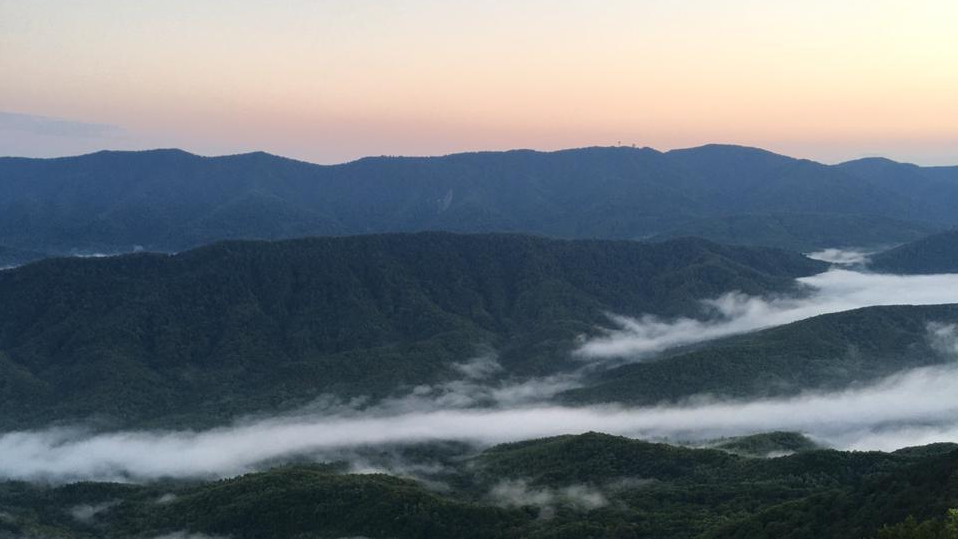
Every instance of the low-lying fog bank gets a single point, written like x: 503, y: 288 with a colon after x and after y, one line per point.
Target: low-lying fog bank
x: 913, y: 408
x: 735, y: 313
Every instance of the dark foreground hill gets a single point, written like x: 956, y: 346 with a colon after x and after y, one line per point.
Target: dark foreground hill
x: 934, y: 254
x: 925, y: 490
x: 169, y: 200
x: 241, y: 327
x: 591, y: 485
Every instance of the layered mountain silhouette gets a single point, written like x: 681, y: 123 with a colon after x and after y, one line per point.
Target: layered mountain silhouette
x: 170, y: 200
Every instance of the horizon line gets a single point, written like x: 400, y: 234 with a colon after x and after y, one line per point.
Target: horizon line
x: 470, y: 152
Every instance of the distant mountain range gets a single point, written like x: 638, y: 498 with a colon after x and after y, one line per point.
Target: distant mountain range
x: 170, y: 200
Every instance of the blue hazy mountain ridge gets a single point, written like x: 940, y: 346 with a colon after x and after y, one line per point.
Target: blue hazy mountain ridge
x: 170, y: 200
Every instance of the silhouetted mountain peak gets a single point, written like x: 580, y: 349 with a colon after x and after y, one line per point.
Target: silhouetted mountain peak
x: 728, y: 151
x: 877, y: 164
x: 157, y: 152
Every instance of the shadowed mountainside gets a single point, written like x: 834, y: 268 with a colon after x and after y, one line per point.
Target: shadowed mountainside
x: 241, y: 327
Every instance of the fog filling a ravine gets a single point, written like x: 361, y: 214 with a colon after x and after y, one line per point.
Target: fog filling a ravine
x: 735, y: 313
x: 911, y: 408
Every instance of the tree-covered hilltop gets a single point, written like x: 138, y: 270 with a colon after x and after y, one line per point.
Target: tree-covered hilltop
x: 945, y: 527
x: 169, y: 200
x: 590, y: 485
x: 828, y: 352
x: 241, y: 327
x: 599, y: 459
x: 925, y: 489
x: 935, y: 254
x: 766, y: 444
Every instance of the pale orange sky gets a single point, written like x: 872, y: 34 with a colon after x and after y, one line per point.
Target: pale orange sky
x: 332, y: 80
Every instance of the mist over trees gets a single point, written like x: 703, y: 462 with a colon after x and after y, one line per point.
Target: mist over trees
x: 244, y: 327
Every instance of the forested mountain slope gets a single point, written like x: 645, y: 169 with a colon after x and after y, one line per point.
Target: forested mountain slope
x: 252, y: 326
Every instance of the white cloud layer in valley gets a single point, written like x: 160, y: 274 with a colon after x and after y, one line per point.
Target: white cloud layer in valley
x: 912, y: 408
x: 735, y: 313
x: 842, y: 257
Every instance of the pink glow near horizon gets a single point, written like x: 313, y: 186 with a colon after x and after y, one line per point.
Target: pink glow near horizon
x: 332, y: 80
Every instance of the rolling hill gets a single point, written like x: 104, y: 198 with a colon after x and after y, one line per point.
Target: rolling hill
x: 926, y: 489
x: 239, y: 327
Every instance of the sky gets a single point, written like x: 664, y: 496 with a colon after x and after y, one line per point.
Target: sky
x: 333, y: 80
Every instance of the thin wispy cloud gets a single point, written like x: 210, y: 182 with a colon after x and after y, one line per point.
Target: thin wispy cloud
x: 31, y: 135
x: 842, y: 257
x: 518, y: 493
x: 46, y: 126
x: 907, y: 409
